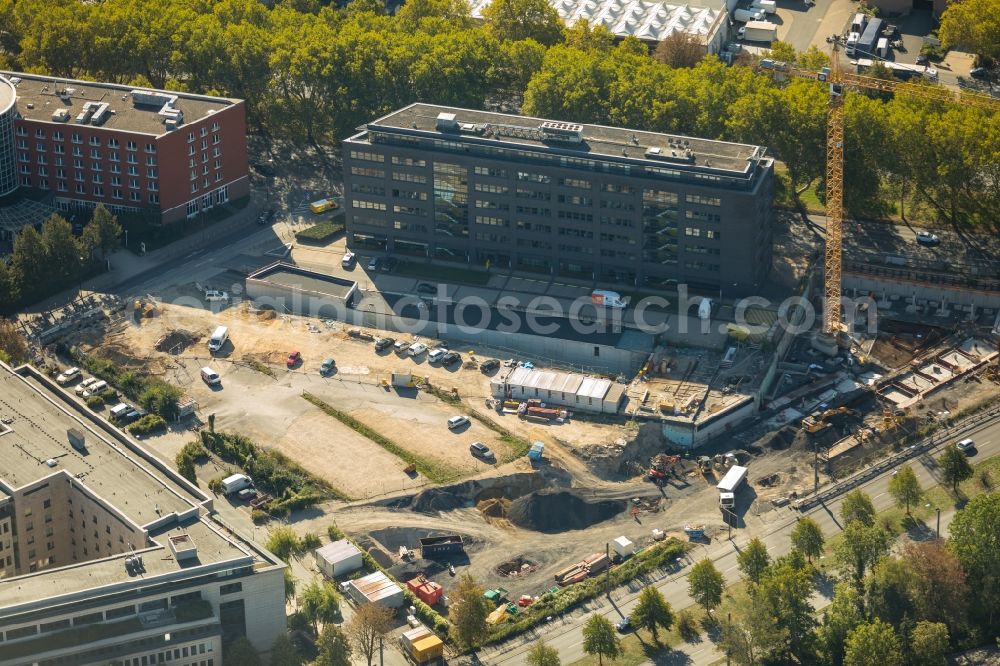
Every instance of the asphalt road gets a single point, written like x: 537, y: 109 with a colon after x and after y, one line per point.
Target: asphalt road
x: 566, y: 636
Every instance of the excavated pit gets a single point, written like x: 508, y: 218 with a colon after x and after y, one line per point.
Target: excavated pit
x: 558, y: 510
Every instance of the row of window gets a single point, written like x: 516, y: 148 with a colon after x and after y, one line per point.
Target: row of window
x: 175, y: 654
x: 97, y: 178
x: 58, y: 135
x: 96, y: 190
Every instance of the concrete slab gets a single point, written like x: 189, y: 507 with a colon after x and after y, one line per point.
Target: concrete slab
x: 976, y: 348
x: 394, y: 284
x: 937, y: 371
x: 957, y: 360
x: 488, y: 295
x: 560, y: 290
x: 896, y: 397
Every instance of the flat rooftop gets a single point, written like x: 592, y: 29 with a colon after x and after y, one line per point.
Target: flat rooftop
x: 39, y: 418
x: 626, y: 145
x: 37, y: 100
x: 303, y: 279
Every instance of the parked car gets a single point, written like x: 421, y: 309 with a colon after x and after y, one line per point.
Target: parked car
x: 85, y: 384
x: 450, y: 358
x: 374, y: 264
x: 490, y: 365
x: 457, y: 422
x: 348, y: 259
x: 481, y: 451
x: 263, y: 169
x: 417, y: 348
x: 426, y: 288
x: 923, y: 60
x: 327, y: 366
x: 294, y: 358
x: 436, y: 354
x: 384, y: 343
x: 979, y: 73
x: 401, y: 346
x: 213, y: 296
x: 246, y: 494
x: 965, y: 446
x: 210, y: 376
x: 95, y: 388
x: 68, y: 376
x: 927, y: 238
x: 624, y: 626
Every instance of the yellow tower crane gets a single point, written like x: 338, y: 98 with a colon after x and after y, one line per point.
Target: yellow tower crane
x: 838, y: 81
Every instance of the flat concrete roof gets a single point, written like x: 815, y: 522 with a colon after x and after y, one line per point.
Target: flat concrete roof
x: 40, y: 92
x: 294, y: 277
x: 7, y: 95
x: 623, y: 144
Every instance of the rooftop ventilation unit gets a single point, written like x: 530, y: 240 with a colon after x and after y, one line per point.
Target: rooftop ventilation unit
x: 446, y: 122
x: 657, y: 153
x: 167, y: 104
x: 183, y: 547
x: 77, y: 439
x: 557, y: 131
x: 60, y: 115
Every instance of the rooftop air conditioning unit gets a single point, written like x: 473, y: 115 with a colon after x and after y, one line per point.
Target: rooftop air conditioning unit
x: 446, y: 122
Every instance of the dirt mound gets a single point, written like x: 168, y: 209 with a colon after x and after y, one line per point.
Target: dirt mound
x: 176, y: 341
x: 469, y: 493
x: 559, y: 510
x: 494, y: 508
x: 778, y: 440
x: 518, y: 566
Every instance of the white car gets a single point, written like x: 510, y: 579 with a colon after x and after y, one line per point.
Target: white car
x: 437, y: 354
x: 927, y: 238
x: 95, y: 388
x: 85, y: 384
x: 417, y: 348
x: 457, y: 422
x: 401, y: 346
x: 348, y: 259
x: 67, y: 376
x: 214, y: 296
x: 965, y: 446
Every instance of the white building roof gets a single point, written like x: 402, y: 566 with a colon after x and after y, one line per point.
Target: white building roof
x: 594, y: 388
x: 336, y: 552
x: 649, y: 21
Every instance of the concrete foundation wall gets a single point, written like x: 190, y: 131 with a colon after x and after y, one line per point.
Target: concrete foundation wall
x: 954, y: 297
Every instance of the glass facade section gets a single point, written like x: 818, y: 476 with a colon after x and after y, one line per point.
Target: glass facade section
x: 451, y: 200
x: 659, y: 227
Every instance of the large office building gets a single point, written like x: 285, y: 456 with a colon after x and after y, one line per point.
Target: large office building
x: 108, y: 556
x: 579, y: 202
x: 131, y: 149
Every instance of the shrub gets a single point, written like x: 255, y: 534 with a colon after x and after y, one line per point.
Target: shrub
x: 282, y: 542
x: 310, y: 541
x: 95, y: 402
x: 109, y: 396
x: 215, y: 485
x: 148, y: 424
x: 335, y: 533
x: 258, y: 516
x: 154, y: 394
x: 687, y: 625
x: 161, y: 398
x: 193, y: 452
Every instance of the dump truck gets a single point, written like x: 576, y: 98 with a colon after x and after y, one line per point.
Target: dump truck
x: 730, y: 484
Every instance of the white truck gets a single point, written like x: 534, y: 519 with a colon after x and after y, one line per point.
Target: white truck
x: 752, y: 14
x: 236, y: 483
x: 730, y: 484
x: 759, y: 31
x: 769, y: 6
x: 608, y: 299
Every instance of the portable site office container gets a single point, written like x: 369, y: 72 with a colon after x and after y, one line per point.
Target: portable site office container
x: 883, y: 47
x: 859, y: 23
x: 869, y: 38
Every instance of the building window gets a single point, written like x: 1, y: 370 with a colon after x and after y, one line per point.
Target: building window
x: 203, y: 131
x: 59, y: 149
x: 134, y: 196
x: 704, y: 201
x: 366, y: 156
x: 154, y: 198
x: 95, y: 141
x: 116, y: 168
x: 98, y: 192
x: 131, y: 145
x: 76, y: 138
x: 39, y: 147
x: 150, y: 147
x: 216, y: 139
x: 216, y: 152
x: 150, y: 173
x: 113, y: 155
x: 150, y: 161
x: 95, y: 166
x: 77, y: 152
x: 113, y: 142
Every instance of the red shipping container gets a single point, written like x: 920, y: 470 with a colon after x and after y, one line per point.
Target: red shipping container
x: 427, y: 591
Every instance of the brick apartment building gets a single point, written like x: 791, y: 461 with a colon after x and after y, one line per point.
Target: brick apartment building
x: 579, y: 202
x: 173, y: 154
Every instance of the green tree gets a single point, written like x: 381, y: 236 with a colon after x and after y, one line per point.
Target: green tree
x: 972, y: 25
x: 753, y: 560
x: 62, y: 250
x: 599, y: 638
x: 857, y: 507
x: 333, y: 646
x: 955, y: 467
x: 435, y: 16
x: 975, y: 541
x: 905, y: 488
x: 751, y: 636
x: 469, y: 609
x: 102, y: 232
x: 783, y: 593
x: 368, y: 628
x: 840, y: 618
x: 241, y: 651
x: 512, y: 20
x: 807, y: 538
x: 320, y: 604
x: 161, y: 399
x: 929, y: 644
x: 886, y: 591
x: 705, y: 584
x: 9, y: 295
x: 873, y: 644
x: 289, y: 585
x: 652, y: 612
x: 283, y: 652
x: 861, y: 547
x: 541, y: 654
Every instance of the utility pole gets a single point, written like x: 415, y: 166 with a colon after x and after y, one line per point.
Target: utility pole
x: 938, y: 530
x: 607, y: 572
x: 729, y: 622
x: 815, y: 467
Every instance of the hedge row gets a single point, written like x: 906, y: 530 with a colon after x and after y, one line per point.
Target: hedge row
x: 320, y: 233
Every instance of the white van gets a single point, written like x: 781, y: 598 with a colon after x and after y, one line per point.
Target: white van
x: 218, y: 339
x: 118, y: 411
x: 95, y: 388
x: 210, y: 377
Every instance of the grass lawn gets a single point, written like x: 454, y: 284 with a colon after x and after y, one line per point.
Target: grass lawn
x: 638, y: 647
x: 446, y: 274
x: 321, y: 233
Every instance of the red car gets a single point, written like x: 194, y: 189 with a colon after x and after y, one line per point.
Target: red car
x: 293, y: 359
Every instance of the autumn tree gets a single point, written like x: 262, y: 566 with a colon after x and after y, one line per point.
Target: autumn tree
x: 936, y: 584
x: 541, y: 654
x: 102, y: 232
x: 955, y: 467
x: 886, y: 591
x: 807, y: 538
x: 679, y: 49
x: 705, y: 584
x: 753, y: 560
x: 599, y: 639
x: 905, y: 488
x: 13, y: 348
x: 652, y: 612
x: 368, y: 627
x: 873, y: 644
x: 469, y: 609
